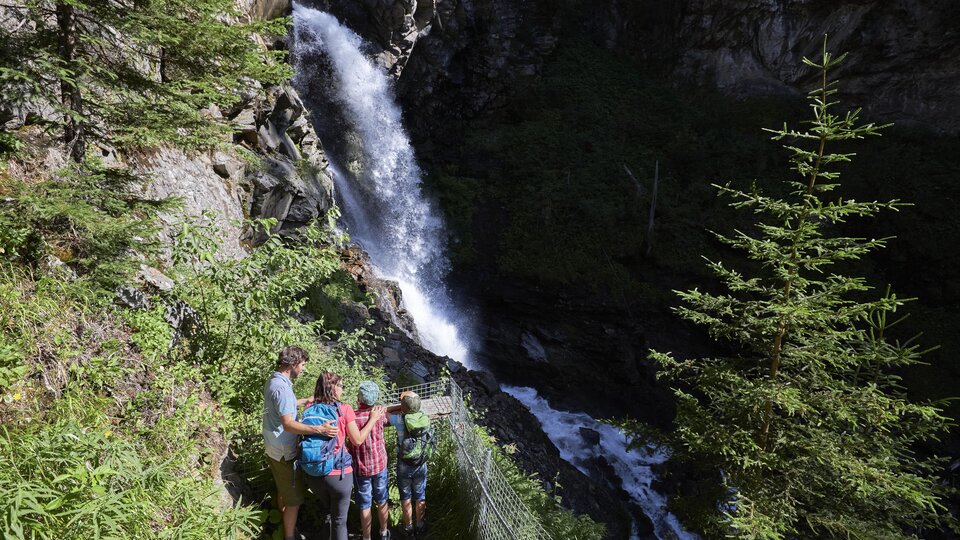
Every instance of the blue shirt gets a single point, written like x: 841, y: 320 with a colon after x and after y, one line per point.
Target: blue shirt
x: 278, y: 401
x: 396, y: 420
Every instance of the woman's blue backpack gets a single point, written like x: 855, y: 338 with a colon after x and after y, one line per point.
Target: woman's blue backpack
x: 317, y: 455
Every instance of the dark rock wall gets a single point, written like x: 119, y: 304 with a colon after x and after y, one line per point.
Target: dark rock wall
x: 456, y: 58
x: 904, y: 62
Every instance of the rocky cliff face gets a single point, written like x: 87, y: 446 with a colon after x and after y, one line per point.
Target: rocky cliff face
x: 904, y: 62
x: 457, y: 58
x: 452, y: 58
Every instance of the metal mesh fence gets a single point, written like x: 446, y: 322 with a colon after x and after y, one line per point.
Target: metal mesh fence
x: 500, y: 512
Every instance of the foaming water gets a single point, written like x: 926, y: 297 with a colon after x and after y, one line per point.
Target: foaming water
x: 631, y: 466
x: 383, y: 206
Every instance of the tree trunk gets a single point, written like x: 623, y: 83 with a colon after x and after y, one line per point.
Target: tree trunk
x: 70, y: 96
x: 653, y: 207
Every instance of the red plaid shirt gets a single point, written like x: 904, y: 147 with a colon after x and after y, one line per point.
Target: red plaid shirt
x: 370, y: 457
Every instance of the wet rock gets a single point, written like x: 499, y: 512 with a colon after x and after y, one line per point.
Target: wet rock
x: 591, y: 436
x: 453, y: 366
x: 420, y: 370
x: 391, y: 357
x: 533, y: 347
x: 486, y: 381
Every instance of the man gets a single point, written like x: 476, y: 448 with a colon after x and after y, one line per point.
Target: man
x: 370, y: 463
x: 280, y: 431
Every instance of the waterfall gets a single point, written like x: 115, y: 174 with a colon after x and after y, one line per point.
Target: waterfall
x: 378, y: 187
x: 379, y: 190
x: 632, y: 466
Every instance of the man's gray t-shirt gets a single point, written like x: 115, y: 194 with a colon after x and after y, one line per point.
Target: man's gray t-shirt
x: 278, y: 401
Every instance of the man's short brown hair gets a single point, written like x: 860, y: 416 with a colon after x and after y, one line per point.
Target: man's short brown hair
x: 292, y: 356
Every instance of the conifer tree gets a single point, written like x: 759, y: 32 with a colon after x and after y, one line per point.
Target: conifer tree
x: 807, y: 428
x: 132, y: 73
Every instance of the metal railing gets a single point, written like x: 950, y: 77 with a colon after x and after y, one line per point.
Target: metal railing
x: 501, y: 515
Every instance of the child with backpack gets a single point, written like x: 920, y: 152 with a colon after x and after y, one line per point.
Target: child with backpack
x: 415, y: 445
x: 326, y: 462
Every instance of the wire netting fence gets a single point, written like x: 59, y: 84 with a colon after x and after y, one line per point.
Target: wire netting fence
x: 500, y: 514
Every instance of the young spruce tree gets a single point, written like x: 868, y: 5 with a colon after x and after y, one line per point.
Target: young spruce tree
x: 808, y: 430
x: 132, y: 73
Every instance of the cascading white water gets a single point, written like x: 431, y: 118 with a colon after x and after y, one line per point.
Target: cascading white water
x: 631, y: 466
x: 386, y: 212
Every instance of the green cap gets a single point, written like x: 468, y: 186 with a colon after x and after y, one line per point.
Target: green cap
x: 410, y: 402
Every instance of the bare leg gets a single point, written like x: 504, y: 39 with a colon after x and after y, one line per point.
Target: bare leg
x: 366, y: 519
x: 407, y: 511
x: 384, y: 511
x: 289, y: 520
x: 421, y: 511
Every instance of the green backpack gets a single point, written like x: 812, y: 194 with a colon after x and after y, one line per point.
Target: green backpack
x: 418, y: 444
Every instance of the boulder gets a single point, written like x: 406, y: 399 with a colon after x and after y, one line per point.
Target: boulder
x: 132, y: 298
x: 591, y: 436
x: 202, y: 191
x: 155, y: 278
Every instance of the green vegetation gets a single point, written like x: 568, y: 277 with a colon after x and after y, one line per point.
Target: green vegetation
x: 132, y: 74
x: 805, y: 420
x: 86, y: 216
x: 122, y: 434
x: 461, y: 506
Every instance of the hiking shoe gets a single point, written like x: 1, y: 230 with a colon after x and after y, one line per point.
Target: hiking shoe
x: 385, y: 535
x: 421, y: 529
x: 408, y: 532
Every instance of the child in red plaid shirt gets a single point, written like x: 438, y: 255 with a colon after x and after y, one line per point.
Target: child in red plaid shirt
x: 370, y: 463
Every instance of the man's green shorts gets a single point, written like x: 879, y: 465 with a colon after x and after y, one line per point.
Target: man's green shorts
x: 291, y: 487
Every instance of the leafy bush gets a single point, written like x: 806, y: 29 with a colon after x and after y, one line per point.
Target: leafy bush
x: 247, y: 309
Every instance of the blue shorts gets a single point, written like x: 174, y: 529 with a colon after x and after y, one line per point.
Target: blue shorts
x: 370, y: 488
x: 412, y: 479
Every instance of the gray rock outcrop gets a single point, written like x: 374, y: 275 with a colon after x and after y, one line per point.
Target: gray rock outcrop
x: 456, y: 57
x: 291, y: 182
x: 264, y: 10
x: 203, y: 193
x: 903, y: 63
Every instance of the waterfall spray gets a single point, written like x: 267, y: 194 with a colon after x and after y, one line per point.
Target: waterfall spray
x: 384, y: 209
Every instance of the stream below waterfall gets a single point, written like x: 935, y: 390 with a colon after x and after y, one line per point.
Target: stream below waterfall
x: 377, y: 182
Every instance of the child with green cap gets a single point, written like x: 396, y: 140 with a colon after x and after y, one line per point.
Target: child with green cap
x: 370, y: 463
x: 411, y: 476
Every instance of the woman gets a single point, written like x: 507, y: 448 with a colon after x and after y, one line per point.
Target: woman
x: 333, y: 490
